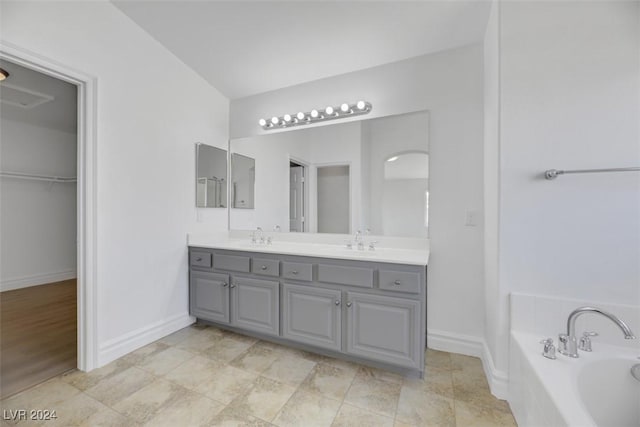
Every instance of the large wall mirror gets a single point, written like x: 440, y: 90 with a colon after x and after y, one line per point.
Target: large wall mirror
x: 361, y: 175
x: 211, y: 177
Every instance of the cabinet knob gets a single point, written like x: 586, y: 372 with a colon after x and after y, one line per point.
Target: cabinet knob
x: 294, y: 272
x: 337, y: 302
x: 199, y: 259
x: 232, y: 286
x: 349, y: 304
x: 225, y: 284
x: 264, y: 267
x: 397, y: 282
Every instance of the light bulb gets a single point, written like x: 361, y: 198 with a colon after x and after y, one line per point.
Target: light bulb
x: 344, y: 108
x: 314, y: 114
x: 329, y: 110
x: 275, y: 120
x: 287, y: 118
x: 262, y: 122
x: 361, y: 105
x: 300, y: 115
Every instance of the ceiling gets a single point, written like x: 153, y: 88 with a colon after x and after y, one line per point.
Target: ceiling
x: 31, y: 97
x: 247, y: 47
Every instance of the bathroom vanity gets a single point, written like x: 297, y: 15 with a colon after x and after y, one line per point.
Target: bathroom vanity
x: 366, y: 306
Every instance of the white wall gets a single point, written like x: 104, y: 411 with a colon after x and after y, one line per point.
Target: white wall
x: 151, y: 109
x: 38, y: 219
x: 449, y: 84
x: 569, y: 99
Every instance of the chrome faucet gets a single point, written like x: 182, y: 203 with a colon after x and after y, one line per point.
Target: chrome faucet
x: 358, y: 240
x: 259, y: 233
x: 568, y: 343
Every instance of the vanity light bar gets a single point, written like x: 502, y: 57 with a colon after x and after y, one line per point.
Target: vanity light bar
x: 329, y: 113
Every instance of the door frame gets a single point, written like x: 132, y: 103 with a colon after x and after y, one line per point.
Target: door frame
x: 305, y: 203
x: 87, y: 320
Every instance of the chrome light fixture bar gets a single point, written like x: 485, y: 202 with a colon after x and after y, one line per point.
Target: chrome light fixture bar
x: 341, y: 111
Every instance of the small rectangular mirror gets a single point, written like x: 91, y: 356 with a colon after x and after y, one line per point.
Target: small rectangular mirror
x: 211, y: 177
x: 243, y: 177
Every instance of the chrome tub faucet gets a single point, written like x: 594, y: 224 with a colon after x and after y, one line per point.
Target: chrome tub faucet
x: 568, y: 343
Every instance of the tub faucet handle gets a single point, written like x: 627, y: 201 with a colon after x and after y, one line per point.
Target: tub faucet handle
x: 549, y: 350
x: 585, y: 341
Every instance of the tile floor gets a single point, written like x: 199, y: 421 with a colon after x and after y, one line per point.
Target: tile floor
x: 204, y: 376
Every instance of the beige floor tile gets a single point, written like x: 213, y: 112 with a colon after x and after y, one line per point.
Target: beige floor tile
x: 238, y: 337
x: 307, y: 355
x: 374, y: 395
x: 75, y: 411
x: 307, y: 409
x: 232, y: 417
x: 48, y: 395
x: 228, y: 348
x: 257, y: 358
x: 107, y: 417
x: 264, y: 398
x: 468, y: 415
x: 328, y: 380
x: 401, y: 424
x: 199, y: 342
x: 179, y: 336
x: 136, y: 357
x: 290, y: 369
x: 160, y: 363
x: 437, y: 359
x: 473, y: 388
x: 115, y: 388
x: 469, y: 365
x: 194, y: 372
x: 438, y: 381
x: 226, y: 383
x: 379, y: 374
x: 425, y: 409
x: 193, y: 410
x: 352, y: 416
x: 143, y: 405
x: 340, y: 363
x: 84, y: 380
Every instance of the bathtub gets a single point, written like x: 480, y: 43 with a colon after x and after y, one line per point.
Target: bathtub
x: 596, y: 389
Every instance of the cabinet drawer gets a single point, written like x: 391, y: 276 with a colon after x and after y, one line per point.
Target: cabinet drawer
x: 297, y: 271
x: 355, y: 276
x: 201, y: 259
x: 231, y: 262
x: 400, y: 281
x: 267, y: 267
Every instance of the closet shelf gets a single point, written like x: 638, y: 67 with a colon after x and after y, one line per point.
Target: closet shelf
x: 36, y: 177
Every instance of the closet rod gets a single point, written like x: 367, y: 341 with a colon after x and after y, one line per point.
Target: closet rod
x: 35, y: 177
x: 554, y: 173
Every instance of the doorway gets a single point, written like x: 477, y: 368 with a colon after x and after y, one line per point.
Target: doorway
x: 297, y: 196
x: 334, y: 186
x: 39, y: 224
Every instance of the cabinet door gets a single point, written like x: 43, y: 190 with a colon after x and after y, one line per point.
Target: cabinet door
x: 384, y: 328
x: 209, y: 296
x: 312, y: 315
x: 256, y: 305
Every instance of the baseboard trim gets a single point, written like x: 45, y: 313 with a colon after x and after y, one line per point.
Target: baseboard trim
x: 36, y: 280
x: 471, y: 346
x: 118, y: 347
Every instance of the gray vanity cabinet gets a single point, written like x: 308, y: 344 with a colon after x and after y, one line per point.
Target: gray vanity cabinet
x: 256, y: 305
x: 209, y: 296
x: 312, y: 315
x: 384, y: 328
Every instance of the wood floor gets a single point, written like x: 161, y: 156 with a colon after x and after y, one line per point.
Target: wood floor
x: 37, y: 334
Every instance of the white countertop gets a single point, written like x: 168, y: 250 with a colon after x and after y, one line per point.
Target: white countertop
x: 410, y: 254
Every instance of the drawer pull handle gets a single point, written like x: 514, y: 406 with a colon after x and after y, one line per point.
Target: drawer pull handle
x: 264, y: 267
x: 337, y: 302
x: 349, y: 304
x: 198, y: 259
x: 225, y: 284
x: 232, y: 286
x: 294, y: 272
x: 397, y: 283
